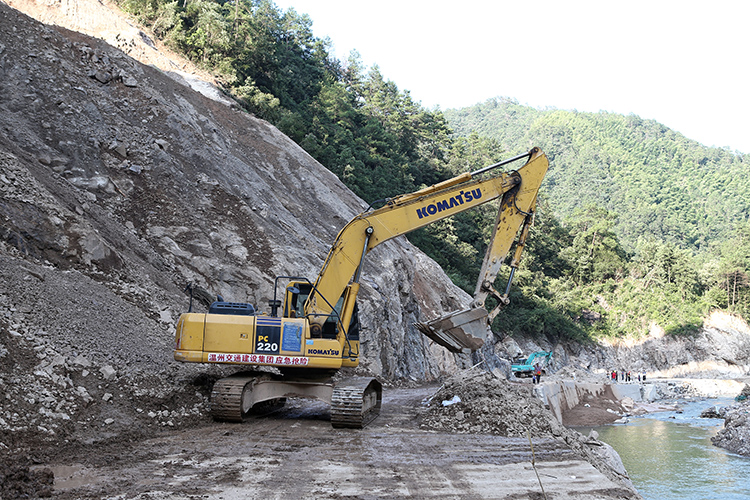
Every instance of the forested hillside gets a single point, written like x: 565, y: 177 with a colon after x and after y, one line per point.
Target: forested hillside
x: 659, y: 183
x: 638, y: 226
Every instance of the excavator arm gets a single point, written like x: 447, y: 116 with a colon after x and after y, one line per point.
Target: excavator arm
x: 516, y: 210
x: 406, y: 213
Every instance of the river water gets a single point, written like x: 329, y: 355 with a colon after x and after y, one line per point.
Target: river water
x: 669, y: 456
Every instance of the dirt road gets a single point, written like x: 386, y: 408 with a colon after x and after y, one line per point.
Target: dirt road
x: 294, y: 453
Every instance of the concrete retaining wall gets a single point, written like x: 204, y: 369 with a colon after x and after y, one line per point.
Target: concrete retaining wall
x: 566, y: 394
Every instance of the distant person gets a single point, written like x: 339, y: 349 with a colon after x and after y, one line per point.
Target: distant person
x: 644, y: 376
x: 537, y: 373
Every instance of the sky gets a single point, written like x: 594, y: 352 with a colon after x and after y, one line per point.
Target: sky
x: 682, y: 63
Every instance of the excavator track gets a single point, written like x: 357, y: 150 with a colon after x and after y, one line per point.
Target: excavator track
x: 355, y: 402
x: 226, y: 397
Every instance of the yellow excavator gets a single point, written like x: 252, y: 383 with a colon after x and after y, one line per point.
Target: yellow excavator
x: 314, y: 331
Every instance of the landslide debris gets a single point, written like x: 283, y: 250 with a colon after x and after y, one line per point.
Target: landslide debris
x: 478, y: 402
x: 20, y: 481
x: 118, y: 186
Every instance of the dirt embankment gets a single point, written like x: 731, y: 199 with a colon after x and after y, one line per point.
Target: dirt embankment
x: 594, y: 410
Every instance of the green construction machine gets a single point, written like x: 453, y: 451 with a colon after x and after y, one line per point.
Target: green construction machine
x: 524, y: 367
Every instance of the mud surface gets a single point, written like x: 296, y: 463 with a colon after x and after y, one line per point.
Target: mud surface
x: 294, y: 453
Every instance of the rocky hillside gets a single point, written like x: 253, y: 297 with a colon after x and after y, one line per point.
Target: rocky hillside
x: 119, y: 184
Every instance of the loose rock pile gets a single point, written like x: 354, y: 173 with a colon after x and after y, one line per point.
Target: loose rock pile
x: 735, y: 436
x: 52, y: 393
x: 476, y: 402
x: 119, y: 185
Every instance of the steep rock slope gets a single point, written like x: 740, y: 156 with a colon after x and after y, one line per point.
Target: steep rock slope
x: 118, y: 185
x: 103, y: 19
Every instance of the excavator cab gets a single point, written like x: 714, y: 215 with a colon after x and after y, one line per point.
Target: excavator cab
x: 297, y: 294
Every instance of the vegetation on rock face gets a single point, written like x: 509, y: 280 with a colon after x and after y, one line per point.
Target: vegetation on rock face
x: 637, y: 224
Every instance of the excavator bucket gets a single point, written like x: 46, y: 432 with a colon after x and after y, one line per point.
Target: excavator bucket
x: 458, y: 331
x: 469, y: 328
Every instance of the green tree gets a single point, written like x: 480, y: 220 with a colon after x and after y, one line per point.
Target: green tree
x: 732, y: 275
x: 595, y: 254
x: 663, y: 264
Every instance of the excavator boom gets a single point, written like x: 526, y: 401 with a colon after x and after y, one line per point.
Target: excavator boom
x: 409, y: 212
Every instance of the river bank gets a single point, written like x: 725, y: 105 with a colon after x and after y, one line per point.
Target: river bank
x: 578, y: 404
x: 735, y: 435
x: 587, y: 404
